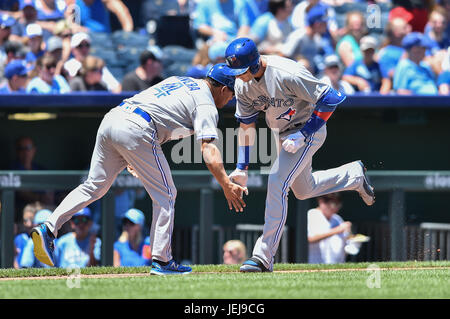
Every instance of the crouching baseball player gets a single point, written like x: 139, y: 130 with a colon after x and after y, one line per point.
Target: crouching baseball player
x: 297, y: 106
x: 132, y: 133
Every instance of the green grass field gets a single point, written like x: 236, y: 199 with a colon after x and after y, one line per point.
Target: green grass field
x: 288, y: 281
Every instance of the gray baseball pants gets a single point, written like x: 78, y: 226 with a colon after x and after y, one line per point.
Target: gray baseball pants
x: 294, y: 171
x: 123, y: 138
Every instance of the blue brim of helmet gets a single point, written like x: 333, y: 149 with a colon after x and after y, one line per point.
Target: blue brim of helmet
x: 234, y: 72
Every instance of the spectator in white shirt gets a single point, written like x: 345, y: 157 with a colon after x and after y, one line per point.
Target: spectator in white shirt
x: 327, y: 231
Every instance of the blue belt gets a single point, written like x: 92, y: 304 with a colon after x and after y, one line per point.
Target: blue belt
x: 140, y: 112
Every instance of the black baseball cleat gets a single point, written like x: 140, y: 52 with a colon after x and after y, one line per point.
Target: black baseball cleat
x: 253, y: 264
x: 365, y: 190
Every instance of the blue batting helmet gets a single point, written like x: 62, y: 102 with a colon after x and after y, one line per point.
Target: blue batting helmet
x: 242, y: 55
x: 222, y: 74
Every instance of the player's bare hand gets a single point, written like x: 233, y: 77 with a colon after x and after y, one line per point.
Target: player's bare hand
x: 233, y: 193
x: 132, y: 171
x: 293, y: 142
x: 239, y: 176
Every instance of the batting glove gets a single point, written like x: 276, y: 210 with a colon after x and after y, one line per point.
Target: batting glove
x: 293, y: 142
x: 239, y: 176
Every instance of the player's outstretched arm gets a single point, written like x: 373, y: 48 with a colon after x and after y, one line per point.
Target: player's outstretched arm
x: 246, y: 138
x: 232, y: 191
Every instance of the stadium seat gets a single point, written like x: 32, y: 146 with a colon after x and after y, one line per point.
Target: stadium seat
x: 108, y: 55
x: 118, y: 72
x: 177, y: 68
x: 153, y: 9
x: 101, y: 39
x: 175, y: 53
x: 129, y: 39
x: 128, y: 56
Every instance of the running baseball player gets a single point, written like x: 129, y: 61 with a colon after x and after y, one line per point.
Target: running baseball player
x: 296, y: 106
x: 132, y: 133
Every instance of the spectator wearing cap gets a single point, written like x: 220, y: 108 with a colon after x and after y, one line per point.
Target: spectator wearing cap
x: 366, y: 74
x: 392, y: 50
x: 16, y: 73
x: 300, y: 11
x: 333, y: 75
x: 347, y: 47
x: 35, y: 42
x: 415, y: 11
x: 90, y: 78
x: 128, y: 249
x: 81, y: 247
x: 81, y: 46
x: 310, y: 42
x: 47, y: 81
x: 95, y: 14
x: 27, y: 259
x: 55, y: 48
x: 271, y: 30
x: 147, y: 74
x: 413, y: 75
x: 221, y: 20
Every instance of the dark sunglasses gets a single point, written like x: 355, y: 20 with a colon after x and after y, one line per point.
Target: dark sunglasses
x: 81, y: 220
x: 84, y: 45
x: 50, y: 66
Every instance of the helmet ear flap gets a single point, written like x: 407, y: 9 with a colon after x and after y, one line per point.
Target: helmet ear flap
x: 255, y: 67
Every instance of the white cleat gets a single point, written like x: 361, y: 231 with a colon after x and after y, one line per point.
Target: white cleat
x: 365, y: 190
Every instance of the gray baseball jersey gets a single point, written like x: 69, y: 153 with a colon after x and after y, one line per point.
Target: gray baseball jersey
x: 286, y: 93
x: 179, y: 106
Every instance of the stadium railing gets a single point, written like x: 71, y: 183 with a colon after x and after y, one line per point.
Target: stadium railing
x: 397, y: 183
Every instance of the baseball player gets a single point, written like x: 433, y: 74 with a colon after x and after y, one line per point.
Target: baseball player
x: 297, y: 107
x: 132, y: 133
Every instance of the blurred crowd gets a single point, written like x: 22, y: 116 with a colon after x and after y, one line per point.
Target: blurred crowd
x: 60, y: 46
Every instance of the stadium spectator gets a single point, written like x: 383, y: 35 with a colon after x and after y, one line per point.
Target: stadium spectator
x: 366, y: 74
x: 81, y: 44
x: 54, y: 48
x: 256, y: 8
x: 221, y: 20
x: 27, y: 259
x: 128, y: 248
x: 35, y: 42
x: 333, y: 75
x: 49, y: 10
x: 310, y: 42
x: 327, y: 231
x: 81, y: 247
x: 299, y: 15
x: 47, y: 81
x: 24, y: 229
x: 90, y: 78
x: 436, y: 29
x: 347, y: 47
x: 443, y: 83
x: 147, y: 74
x: 215, y: 54
x: 234, y: 252
x: 6, y: 22
x: 29, y: 15
x: 415, y: 11
x: 94, y: 14
x: 16, y: 73
x: 392, y: 50
x: 25, y: 160
x: 413, y: 75
x: 271, y: 30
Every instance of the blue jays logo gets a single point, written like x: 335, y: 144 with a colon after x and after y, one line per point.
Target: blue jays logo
x: 287, y: 115
x: 231, y: 60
